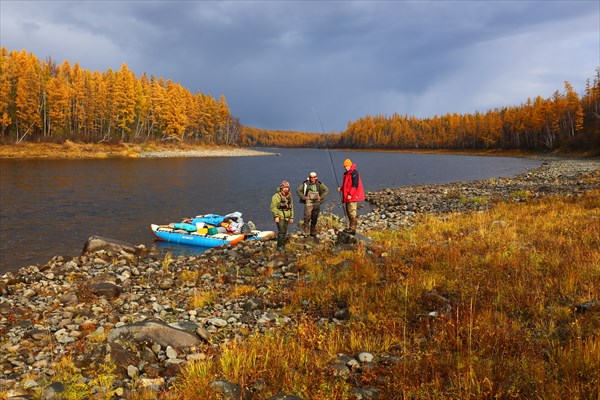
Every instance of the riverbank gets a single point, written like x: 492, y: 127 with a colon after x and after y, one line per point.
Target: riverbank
x: 104, y: 305
x: 397, y: 207
x: 72, y: 150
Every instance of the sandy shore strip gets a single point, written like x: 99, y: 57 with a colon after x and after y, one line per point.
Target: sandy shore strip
x: 224, y: 152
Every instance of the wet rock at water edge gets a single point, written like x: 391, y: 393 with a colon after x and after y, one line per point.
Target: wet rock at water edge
x: 97, y: 243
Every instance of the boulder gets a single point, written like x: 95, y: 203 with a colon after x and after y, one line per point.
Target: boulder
x: 105, y: 289
x: 230, y: 390
x: 97, y: 243
x: 348, y: 238
x: 154, y: 331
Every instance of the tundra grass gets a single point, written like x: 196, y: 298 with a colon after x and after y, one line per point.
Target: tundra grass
x: 78, y: 150
x: 498, y: 304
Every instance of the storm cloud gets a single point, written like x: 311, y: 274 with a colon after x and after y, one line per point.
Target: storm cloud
x: 280, y: 62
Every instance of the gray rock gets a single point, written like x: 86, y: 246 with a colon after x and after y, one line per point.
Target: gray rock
x: 154, y: 331
x: 588, y: 306
x: 105, y: 289
x: 38, y: 334
x: 254, y: 303
x: 347, y: 238
x: 340, y: 370
x: 30, y: 384
x: 341, y: 314
x: 365, y: 357
x: 366, y: 393
x: 69, y: 299
x: 185, y: 326
x: 166, y: 283
x: 97, y: 243
x: 353, y: 364
x: 218, y: 322
x: 171, y: 353
x: 132, y: 371
x: 231, y: 391
x: 53, y: 391
x: 204, y: 334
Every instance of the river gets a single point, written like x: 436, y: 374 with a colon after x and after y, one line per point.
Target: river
x: 51, y: 207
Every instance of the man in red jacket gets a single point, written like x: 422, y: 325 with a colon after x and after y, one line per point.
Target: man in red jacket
x: 352, y: 192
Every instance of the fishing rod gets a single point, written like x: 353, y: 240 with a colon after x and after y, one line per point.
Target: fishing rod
x: 331, y: 161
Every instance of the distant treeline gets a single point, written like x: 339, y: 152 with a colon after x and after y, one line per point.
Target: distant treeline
x: 46, y: 102
x: 564, y: 120
x: 43, y: 101
x: 256, y: 137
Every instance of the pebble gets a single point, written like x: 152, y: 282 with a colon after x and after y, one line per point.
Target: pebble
x: 142, y: 290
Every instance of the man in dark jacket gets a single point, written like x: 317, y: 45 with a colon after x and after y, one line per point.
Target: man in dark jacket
x: 352, y: 192
x: 312, y: 192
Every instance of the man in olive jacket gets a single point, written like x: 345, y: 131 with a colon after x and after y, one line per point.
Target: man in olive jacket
x: 312, y: 192
x: 282, y: 208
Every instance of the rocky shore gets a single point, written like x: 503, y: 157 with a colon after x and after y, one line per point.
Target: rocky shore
x: 152, y: 315
x: 395, y: 208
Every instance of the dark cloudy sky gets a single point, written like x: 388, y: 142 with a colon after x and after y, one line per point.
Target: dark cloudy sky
x: 285, y: 64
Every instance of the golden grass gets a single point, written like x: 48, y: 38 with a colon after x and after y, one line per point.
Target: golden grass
x: 470, y: 306
x: 202, y: 298
x: 69, y: 149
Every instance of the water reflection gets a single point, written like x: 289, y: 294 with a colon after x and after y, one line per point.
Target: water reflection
x: 51, y: 207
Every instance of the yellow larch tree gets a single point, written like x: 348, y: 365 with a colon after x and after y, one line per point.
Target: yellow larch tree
x: 5, y: 92
x: 124, y: 103
x: 157, y: 104
x: 28, y: 94
x: 174, y: 112
x: 57, y: 91
x: 573, y: 110
x: 142, y: 106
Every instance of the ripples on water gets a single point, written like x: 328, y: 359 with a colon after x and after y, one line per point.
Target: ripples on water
x: 51, y: 207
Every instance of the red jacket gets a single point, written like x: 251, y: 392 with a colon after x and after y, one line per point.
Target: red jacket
x: 352, y: 185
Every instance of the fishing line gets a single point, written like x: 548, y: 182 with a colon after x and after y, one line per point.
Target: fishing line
x: 327, y: 146
x: 331, y: 161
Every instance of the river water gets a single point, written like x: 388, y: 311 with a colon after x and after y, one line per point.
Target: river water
x: 51, y: 207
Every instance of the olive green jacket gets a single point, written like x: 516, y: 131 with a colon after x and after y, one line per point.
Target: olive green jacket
x: 277, y: 204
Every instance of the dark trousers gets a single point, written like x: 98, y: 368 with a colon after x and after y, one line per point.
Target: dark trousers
x: 311, y: 215
x: 282, y: 227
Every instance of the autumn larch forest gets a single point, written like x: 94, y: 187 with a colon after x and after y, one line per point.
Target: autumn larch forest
x: 42, y: 101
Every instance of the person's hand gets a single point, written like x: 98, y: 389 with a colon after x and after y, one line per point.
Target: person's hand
x: 276, y: 220
x: 349, y: 197
x: 291, y: 220
x: 340, y: 189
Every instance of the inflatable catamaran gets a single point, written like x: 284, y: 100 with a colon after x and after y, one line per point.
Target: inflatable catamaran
x: 210, y: 230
